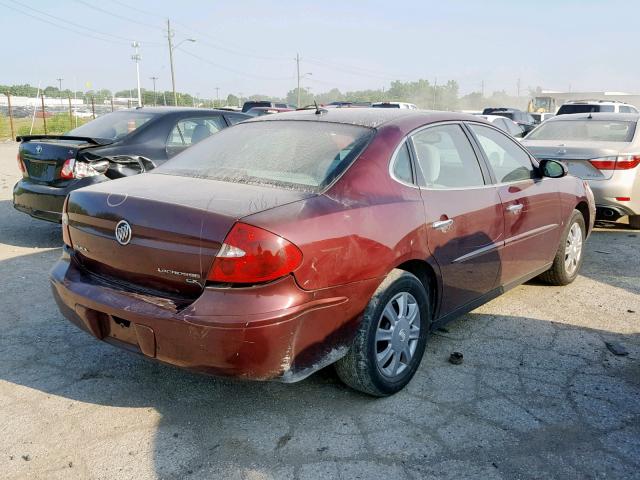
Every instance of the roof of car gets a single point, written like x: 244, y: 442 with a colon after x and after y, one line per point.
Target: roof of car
x: 366, y: 117
x: 629, y: 117
x: 591, y: 102
x: 176, y: 110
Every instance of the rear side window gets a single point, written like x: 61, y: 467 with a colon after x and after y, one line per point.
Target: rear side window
x: 509, y: 162
x: 446, y: 159
x: 402, y: 166
x: 190, y: 131
x: 305, y: 155
x: 234, y: 118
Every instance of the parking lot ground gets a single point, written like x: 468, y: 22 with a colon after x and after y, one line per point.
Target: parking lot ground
x: 538, y: 395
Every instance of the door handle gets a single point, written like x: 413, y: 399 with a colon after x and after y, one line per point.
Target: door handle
x: 516, y: 208
x: 443, y: 225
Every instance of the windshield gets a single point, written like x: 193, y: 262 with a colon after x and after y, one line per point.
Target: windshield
x: 113, y: 125
x: 585, y: 130
x: 292, y: 154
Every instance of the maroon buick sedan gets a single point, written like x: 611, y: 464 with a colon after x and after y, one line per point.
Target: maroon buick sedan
x: 294, y: 241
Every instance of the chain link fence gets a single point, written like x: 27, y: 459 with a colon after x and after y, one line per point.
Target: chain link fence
x: 35, y: 116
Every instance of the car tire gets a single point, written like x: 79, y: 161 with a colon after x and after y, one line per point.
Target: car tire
x: 570, y: 254
x: 367, y: 366
x: 634, y: 222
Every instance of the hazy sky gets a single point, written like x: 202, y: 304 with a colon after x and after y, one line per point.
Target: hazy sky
x: 249, y: 46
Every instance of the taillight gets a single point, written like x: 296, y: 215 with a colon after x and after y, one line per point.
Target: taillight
x: 21, y: 166
x: 72, y: 169
x: 622, y: 162
x: 252, y: 255
x: 66, y: 236
x: 67, y: 169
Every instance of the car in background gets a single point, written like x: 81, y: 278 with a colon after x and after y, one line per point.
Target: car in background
x: 593, y: 106
x: 601, y: 148
x: 538, y: 117
x: 259, y: 111
x: 404, y: 105
x: 248, y: 105
x: 293, y: 241
x: 505, y: 124
x: 346, y: 104
x: 524, y: 119
x: 115, y: 145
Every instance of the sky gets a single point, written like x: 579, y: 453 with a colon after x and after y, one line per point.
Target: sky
x: 249, y: 47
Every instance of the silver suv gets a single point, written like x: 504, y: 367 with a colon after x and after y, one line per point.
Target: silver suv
x: 592, y: 106
x: 601, y: 148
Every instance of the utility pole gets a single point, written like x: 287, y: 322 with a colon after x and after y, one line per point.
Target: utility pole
x: 173, y: 77
x: 155, y: 100
x: 60, y: 89
x: 518, y: 88
x: 435, y: 88
x: 218, y: 97
x: 240, y: 99
x: 298, y: 70
x: 136, y: 58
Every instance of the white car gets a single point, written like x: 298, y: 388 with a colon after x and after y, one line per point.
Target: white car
x: 405, y: 105
x: 505, y: 124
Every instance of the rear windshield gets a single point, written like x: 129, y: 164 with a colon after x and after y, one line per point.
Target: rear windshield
x: 386, y: 105
x: 585, y: 130
x: 113, y: 125
x: 303, y: 155
x: 584, y: 108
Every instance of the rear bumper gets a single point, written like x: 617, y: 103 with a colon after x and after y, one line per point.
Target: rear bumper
x: 623, y: 184
x: 44, y: 201
x: 273, y: 331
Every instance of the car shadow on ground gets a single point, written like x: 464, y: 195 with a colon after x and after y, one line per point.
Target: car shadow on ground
x: 20, y: 230
x: 531, y: 397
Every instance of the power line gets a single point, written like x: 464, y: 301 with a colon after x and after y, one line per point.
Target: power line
x: 121, y: 17
x: 69, y: 22
x: 64, y: 27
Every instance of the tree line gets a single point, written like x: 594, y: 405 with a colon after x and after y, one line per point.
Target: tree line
x: 423, y: 93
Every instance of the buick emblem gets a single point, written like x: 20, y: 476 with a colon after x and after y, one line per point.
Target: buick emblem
x: 123, y: 232
x: 38, y: 149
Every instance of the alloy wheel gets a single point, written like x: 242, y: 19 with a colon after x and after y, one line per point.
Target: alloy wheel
x: 397, y: 334
x: 573, y: 249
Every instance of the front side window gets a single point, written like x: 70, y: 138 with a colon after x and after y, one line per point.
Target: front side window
x: 303, y: 155
x: 190, y: 131
x: 446, y: 159
x: 509, y: 162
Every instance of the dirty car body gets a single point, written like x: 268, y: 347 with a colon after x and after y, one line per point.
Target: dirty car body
x: 116, y: 145
x: 339, y: 200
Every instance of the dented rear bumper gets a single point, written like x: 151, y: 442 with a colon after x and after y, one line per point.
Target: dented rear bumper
x: 273, y: 331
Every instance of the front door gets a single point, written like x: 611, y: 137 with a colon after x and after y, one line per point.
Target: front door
x: 531, y: 205
x: 463, y: 214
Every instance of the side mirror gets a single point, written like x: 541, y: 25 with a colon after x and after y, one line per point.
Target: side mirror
x: 553, y: 169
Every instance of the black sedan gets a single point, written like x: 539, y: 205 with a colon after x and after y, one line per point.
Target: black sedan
x: 119, y: 144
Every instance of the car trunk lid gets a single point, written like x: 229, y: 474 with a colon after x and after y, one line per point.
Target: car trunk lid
x: 43, y: 156
x: 577, y: 155
x: 177, y: 227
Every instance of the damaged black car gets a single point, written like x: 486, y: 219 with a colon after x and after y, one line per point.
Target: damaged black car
x: 116, y: 145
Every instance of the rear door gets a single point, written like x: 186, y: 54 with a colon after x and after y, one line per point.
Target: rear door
x: 531, y: 204
x: 463, y: 213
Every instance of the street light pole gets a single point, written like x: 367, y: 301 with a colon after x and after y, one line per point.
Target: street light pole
x: 136, y: 58
x: 298, y: 70
x: 155, y: 99
x: 173, y: 76
x: 218, y: 97
x: 171, y: 49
